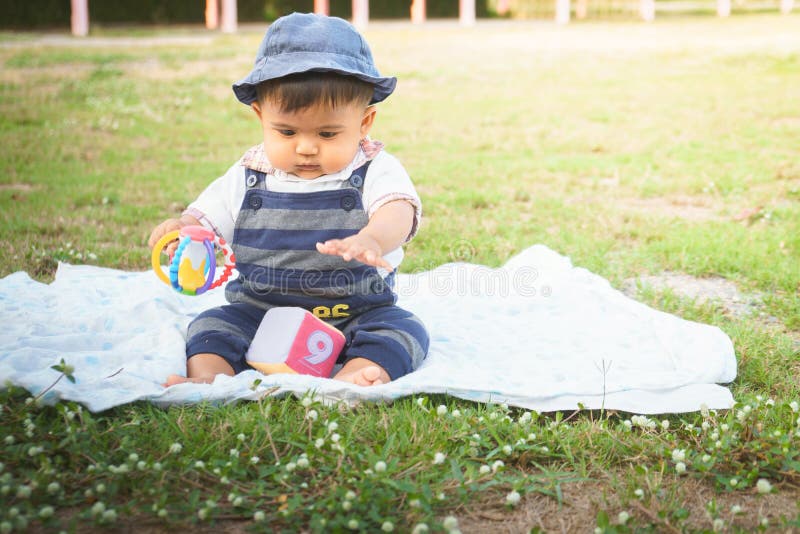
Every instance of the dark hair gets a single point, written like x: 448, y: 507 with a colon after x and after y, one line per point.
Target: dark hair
x: 300, y: 91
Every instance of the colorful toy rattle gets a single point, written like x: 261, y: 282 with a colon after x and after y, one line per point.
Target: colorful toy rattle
x: 193, y: 266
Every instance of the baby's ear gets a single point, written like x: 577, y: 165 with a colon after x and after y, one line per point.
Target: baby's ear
x: 257, y: 108
x: 368, y: 120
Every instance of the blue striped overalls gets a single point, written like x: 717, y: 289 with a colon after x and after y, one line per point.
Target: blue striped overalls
x: 274, y: 242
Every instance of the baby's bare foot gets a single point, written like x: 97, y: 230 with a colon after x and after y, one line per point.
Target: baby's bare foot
x: 178, y: 379
x: 362, y: 372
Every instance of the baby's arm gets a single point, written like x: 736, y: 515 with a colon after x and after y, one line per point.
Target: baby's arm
x: 388, y: 228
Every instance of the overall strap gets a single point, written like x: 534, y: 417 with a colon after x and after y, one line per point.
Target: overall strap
x: 356, y: 179
x: 255, y: 179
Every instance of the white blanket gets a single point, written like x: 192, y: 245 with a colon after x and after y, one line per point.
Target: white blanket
x: 536, y: 333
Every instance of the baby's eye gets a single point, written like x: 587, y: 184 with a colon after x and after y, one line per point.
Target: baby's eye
x: 287, y: 133
x: 328, y: 135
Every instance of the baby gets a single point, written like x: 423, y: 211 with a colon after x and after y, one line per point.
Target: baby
x: 316, y: 215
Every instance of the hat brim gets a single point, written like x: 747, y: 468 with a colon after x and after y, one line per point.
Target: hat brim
x: 245, y: 89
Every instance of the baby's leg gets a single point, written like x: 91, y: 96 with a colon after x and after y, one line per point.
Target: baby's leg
x: 383, y: 344
x: 217, y: 342
x: 202, y: 369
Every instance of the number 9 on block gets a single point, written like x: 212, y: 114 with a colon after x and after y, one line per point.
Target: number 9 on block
x: 293, y: 340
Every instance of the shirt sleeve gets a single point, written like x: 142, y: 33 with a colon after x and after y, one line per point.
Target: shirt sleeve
x: 387, y: 181
x: 218, y: 205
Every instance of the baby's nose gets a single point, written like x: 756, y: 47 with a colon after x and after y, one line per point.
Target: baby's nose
x: 306, y: 148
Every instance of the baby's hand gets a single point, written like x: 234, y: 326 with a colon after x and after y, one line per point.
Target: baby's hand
x: 170, y: 225
x: 359, y: 247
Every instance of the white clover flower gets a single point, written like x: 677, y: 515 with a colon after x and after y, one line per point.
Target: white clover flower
x: 545, y: 448
x: 291, y: 466
x: 623, y: 517
x: 507, y: 449
x: 319, y: 443
x: 332, y: 426
x: 794, y: 406
x: 718, y: 444
x: 175, y: 448
x: 141, y: 465
x: 770, y: 402
x: 380, y: 466
x: 224, y: 480
x: 346, y: 505
x: 352, y: 524
x: 639, y: 492
x: 53, y: 487
x: 680, y: 468
x: 33, y: 451
x: 414, y: 503
x: 23, y: 491
x: 531, y: 437
x: 763, y: 486
x: 497, y: 465
x: 456, y: 413
x: 335, y: 438
x: 705, y: 425
x: 199, y: 464
x: 312, y: 415
x: 736, y: 509
x: 441, y: 409
x: 162, y: 513
x: 420, y: 528
x: 302, y: 462
x: 254, y: 460
x: 706, y: 458
x: 718, y: 525
x: 764, y: 522
x: 525, y: 417
x: 46, y: 511
x: 98, y: 508
x: 450, y: 523
x: 9, y: 440
x: 234, y: 453
x: 350, y: 495
x: 627, y: 424
x: 484, y: 469
x: 110, y: 515
x: 202, y: 514
x: 259, y: 516
x: 724, y: 427
x: 387, y: 526
x: 438, y: 458
x: 306, y: 402
x: 513, y: 498
x: 6, y: 527
x: 133, y: 457
x: 678, y: 455
x: 238, y: 501
x: 421, y: 401
x: 747, y: 408
x: 241, y: 437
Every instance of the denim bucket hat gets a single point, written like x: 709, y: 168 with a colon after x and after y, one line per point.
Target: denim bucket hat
x: 313, y: 43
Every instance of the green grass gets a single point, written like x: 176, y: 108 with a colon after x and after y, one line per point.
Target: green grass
x: 592, y: 139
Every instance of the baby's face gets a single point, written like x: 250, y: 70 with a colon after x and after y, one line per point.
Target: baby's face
x: 313, y: 141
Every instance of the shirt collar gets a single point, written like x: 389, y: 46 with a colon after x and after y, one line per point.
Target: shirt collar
x: 256, y: 159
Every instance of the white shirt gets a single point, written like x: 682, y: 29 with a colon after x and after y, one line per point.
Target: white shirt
x: 217, y: 207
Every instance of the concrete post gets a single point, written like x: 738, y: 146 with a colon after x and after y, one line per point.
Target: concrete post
x: 322, y: 7
x: 79, y: 17
x: 360, y: 13
x: 229, y: 18
x: 562, y: 11
x: 418, y: 11
x: 466, y: 12
x: 212, y: 14
x: 647, y: 9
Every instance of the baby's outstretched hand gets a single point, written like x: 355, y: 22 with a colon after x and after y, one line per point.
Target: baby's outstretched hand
x: 359, y: 247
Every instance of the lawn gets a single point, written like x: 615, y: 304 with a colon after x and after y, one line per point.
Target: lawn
x: 634, y: 149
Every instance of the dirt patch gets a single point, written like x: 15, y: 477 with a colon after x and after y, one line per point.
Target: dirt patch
x: 582, y: 501
x: 682, y: 207
x: 713, y: 289
x: 22, y: 188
